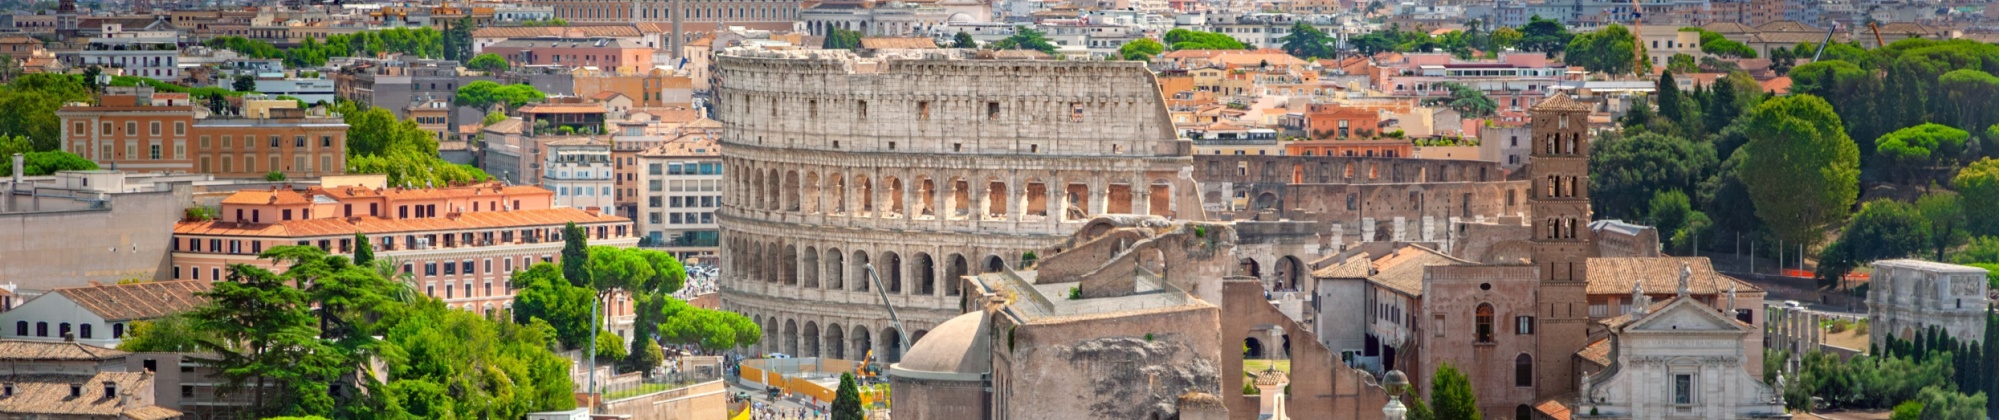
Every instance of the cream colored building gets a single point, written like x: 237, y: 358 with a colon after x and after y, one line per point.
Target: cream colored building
x: 1679, y: 359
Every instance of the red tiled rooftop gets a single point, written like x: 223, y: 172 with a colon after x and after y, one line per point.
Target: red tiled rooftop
x: 376, y: 225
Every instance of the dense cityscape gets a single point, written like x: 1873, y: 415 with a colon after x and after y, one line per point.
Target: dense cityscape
x: 1085, y: 209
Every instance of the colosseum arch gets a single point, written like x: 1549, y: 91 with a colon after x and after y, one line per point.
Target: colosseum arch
x: 809, y: 338
x: 770, y: 342
x: 891, y: 272
x: 773, y: 202
x: 925, y: 269
x: 836, y: 269
x: 894, y: 187
x: 954, y: 273
x: 1118, y: 198
x: 792, y: 337
x: 892, y: 345
x: 926, y: 205
x: 791, y: 189
x: 1034, y: 199
x: 790, y: 261
x: 862, y: 345
x: 811, y: 193
x: 758, y: 196
x: 959, y: 199
x: 1076, y: 204
x: 1160, y: 198
x: 996, y: 199
x: 836, y: 194
x: 809, y: 268
x: 860, y: 276
x: 836, y: 342
x: 864, y: 192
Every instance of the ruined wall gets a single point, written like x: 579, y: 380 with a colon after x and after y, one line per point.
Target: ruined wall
x: 1322, y: 387
x: 1361, y: 198
x: 927, y: 166
x: 1107, y: 368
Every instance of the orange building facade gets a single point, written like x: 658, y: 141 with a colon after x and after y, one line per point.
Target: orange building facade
x: 1351, y: 148
x: 141, y: 131
x: 459, y: 244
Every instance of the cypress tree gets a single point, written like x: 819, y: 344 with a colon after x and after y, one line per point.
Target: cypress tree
x: 364, y: 251
x: 1721, y: 105
x: 575, y: 252
x: 1989, y: 378
x: 1670, y: 99
x: 1451, y: 395
x: 847, y: 400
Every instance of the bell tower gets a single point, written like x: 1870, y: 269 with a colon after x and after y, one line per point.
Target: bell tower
x: 1558, y: 169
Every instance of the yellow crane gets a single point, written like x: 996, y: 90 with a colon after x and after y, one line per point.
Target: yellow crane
x: 1639, y: 60
x: 1878, y: 34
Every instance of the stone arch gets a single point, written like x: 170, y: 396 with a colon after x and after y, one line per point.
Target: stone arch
x: 1290, y: 273
x: 958, y: 201
x: 894, y: 187
x: 790, y: 260
x: 892, y: 345
x: 1035, y: 198
x: 1524, y: 370
x: 792, y: 337
x: 811, y: 194
x: 954, y: 273
x: 836, y: 269
x: 995, y: 264
x: 996, y: 199
x: 773, y: 202
x: 1265, y: 201
x: 757, y: 199
x: 1254, y: 349
x: 836, y: 342
x: 809, y: 336
x: 925, y: 269
x: 771, y: 342
x: 809, y: 269
x: 1077, y: 198
x: 860, y: 263
x: 1523, y: 412
x: 837, y: 193
x: 1250, y: 267
x: 891, y: 272
x: 864, y: 192
x: 863, y: 346
x: 927, y: 192
x: 791, y: 189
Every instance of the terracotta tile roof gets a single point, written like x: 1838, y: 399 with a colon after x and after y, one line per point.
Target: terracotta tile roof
x: 1560, y: 102
x: 1403, y: 270
x: 606, y: 95
x: 1728, y: 28
x: 51, y: 351
x: 897, y: 43
x: 1598, y: 352
x: 508, y: 126
x: 1628, y: 317
x: 562, y: 108
x: 1614, y: 276
x: 1781, y: 85
x: 267, y: 197
x: 1553, y: 408
x: 381, y: 226
x: 138, y: 301
x: 1355, y: 267
x: 1785, y: 26
x: 685, y: 146
x: 49, y: 395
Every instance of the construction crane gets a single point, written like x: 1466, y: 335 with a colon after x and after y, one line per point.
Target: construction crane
x: 1828, y: 40
x: 1878, y: 34
x: 902, y: 344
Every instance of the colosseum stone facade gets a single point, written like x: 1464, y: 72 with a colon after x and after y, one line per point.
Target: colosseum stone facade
x: 928, y: 165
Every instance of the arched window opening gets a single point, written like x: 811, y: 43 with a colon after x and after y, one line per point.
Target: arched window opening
x: 1483, y: 317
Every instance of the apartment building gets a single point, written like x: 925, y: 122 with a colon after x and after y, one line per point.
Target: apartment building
x: 683, y: 188
x: 616, y: 53
x: 579, y: 171
x: 137, y: 129
x: 460, y: 244
x: 144, y: 54
x: 1515, y: 81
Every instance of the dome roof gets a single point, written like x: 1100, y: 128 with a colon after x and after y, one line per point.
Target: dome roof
x: 958, y: 346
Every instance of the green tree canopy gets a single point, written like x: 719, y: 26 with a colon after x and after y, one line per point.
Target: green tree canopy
x: 1944, y: 222
x: 47, y: 163
x: 841, y: 39
x: 1451, y: 395
x: 483, y: 94
x: 963, y: 40
x: 1683, y: 63
x: 1911, y: 151
x: 1026, y: 38
x: 1308, y: 42
x: 1609, y: 51
x: 1142, y: 49
x: 1970, y: 93
x: 1883, y: 229
x: 1469, y: 102
x: 1184, y: 39
x: 1671, y: 213
x: 1547, y: 36
x: 173, y: 333
x: 32, y: 101
x: 488, y: 62
x: 1978, y: 185
x: 1801, y: 170
x: 847, y: 400
x: 1626, y: 172
x: 542, y: 294
x: 491, y: 118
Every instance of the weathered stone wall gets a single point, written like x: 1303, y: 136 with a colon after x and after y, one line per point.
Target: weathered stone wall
x: 1454, y: 297
x: 927, y: 166
x: 1322, y: 387
x: 1362, y: 198
x: 1107, y: 368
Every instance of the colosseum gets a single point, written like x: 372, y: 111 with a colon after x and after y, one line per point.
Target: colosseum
x: 927, y: 164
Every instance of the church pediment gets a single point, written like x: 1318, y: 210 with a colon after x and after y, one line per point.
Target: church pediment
x: 1685, y: 315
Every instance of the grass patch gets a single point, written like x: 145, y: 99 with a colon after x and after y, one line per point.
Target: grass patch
x: 642, y: 389
x: 1252, y: 366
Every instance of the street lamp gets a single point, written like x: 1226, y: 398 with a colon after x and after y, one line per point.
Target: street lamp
x: 1394, y: 382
